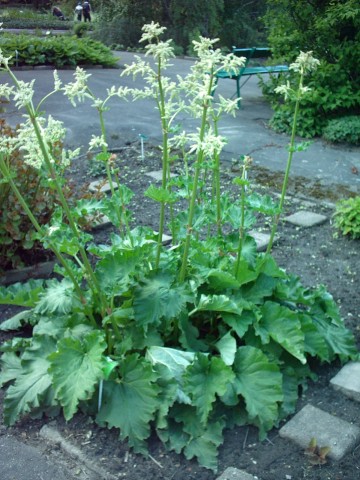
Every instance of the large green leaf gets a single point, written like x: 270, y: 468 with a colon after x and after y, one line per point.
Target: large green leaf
x: 217, y: 303
x: 176, y: 361
x: 314, y: 340
x: 10, y: 367
x: 227, y: 348
x: 189, y: 336
x: 203, y: 440
x: 263, y: 287
x: 159, y: 298
x: 340, y: 340
x: 130, y: 402
x: 220, y: 280
x: 58, y: 297
x: 32, y: 384
x: 76, y: 367
x: 284, y: 327
x: 204, y: 379
x: 241, y: 323
x: 260, y: 383
x: 22, y: 294
x: 17, y: 321
x: 114, y: 272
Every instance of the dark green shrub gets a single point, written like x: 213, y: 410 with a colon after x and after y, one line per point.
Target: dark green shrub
x: 344, y: 129
x: 347, y: 217
x: 81, y: 29
x: 331, y: 29
x: 57, y: 51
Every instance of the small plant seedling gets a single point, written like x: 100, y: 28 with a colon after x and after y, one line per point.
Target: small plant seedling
x: 317, y: 455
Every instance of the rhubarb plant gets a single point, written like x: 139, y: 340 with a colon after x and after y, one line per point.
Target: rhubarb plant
x: 185, y: 340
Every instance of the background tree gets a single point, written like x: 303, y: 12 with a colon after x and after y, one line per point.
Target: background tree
x: 331, y: 29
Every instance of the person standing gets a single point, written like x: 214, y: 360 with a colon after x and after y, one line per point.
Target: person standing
x: 86, y: 10
x: 79, y: 11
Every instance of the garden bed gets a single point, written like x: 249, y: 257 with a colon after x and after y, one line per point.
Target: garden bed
x: 313, y: 254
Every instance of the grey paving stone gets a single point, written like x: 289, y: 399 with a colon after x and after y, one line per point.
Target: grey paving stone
x: 261, y: 239
x: 105, y: 188
x: 347, y: 380
x: 157, y: 175
x: 232, y: 473
x: 329, y: 431
x: 306, y: 219
x: 166, y: 239
x: 23, y: 462
x: 101, y: 222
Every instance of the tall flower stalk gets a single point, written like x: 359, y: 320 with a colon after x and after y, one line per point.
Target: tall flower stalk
x: 304, y: 64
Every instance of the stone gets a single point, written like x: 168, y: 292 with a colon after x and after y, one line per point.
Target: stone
x: 166, y: 239
x: 157, y: 175
x: 306, y: 219
x: 261, y: 239
x: 232, y: 473
x: 328, y: 431
x: 347, y: 380
x: 101, y: 185
x: 101, y: 222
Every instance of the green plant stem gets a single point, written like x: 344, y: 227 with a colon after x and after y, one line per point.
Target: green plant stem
x: 217, y: 184
x: 287, y: 173
x: 165, y: 160
x: 241, y: 229
x: 198, y: 165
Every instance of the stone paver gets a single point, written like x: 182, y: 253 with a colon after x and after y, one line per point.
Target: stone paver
x: 105, y: 188
x: 157, y: 175
x: 329, y: 431
x: 261, y: 239
x: 347, y: 380
x: 232, y: 473
x: 306, y: 219
x: 101, y: 222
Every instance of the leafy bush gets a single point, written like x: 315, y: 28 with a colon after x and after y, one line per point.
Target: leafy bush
x: 16, y: 229
x: 186, y: 340
x: 344, y: 129
x: 57, y: 51
x: 81, y: 29
x: 347, y: 217
x: 331, y: 29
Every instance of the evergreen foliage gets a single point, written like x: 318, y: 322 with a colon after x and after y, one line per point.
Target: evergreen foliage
x: 331, y: 29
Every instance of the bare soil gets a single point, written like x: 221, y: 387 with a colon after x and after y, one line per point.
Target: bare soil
x: 313, y: 254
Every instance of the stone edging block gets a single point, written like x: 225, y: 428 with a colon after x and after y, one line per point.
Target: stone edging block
x: 328, y: 431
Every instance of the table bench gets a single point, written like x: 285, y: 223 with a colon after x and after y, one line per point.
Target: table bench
x: 247, y: 70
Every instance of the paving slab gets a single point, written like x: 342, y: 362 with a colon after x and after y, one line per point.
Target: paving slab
x: 328, y: 431
x: 232, y: 473
x: 101, y: 185
x: 347, y: 380
x: 261, y: 239
x: 24, y: 462
x: 157, y: 175
x: 306, y: 219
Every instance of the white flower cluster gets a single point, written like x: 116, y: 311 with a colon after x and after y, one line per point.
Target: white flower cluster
x: 78, y: 89
x: 305, y: 63
x: 4, y: 60
x: 211, y: 144
x: 52, y: 132
x: 24, y: 93
x: 97, y: 142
